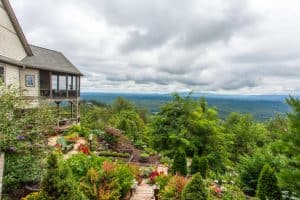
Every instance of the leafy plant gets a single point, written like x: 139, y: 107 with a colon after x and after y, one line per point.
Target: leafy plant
x: 162, y: 181
x: 250, y: 168
x: 203, y: 166
x: 113, y: 154
x: 195, y: 165
x: 58, y: 182
x: 173, y: 189
x: 81, y: 163
x: 77, y: 130
x: 144, y: 157
x: 267, y: 187
x: 180, y: 164
x: 195, y: 189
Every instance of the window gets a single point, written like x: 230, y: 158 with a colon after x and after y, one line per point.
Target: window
x: 2, y: 74
x: 29, y: 80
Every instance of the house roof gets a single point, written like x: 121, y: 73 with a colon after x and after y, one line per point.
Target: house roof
x: 17, y: 26
x: 37, y: 57
x: 46, y: 59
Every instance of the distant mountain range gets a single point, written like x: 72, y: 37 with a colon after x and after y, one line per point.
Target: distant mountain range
x: 262, y: 107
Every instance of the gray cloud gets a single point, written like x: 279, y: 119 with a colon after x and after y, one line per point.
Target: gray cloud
x: 172, y: 45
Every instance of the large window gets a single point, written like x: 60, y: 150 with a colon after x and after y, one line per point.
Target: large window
x: 62, y: 82
x: 2, y: 74
x: 29, y: 80
x: 54, y: 82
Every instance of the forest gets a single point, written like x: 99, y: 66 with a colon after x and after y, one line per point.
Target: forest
x: 207, y: 157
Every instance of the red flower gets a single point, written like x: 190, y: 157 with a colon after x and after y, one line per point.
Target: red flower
x: 153, y: 175
x: 84, y: 149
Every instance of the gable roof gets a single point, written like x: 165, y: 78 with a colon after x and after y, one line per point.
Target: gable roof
x: 37, y: 57
x: 17, y: 26
x: 46, y: 59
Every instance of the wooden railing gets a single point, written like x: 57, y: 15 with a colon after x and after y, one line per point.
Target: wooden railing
x: 58, y: 94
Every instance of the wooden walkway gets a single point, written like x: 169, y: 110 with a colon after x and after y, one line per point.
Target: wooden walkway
x: 1, y: 171
x: 143, y: 192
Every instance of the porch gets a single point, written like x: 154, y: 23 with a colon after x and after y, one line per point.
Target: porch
x: 59, y: 86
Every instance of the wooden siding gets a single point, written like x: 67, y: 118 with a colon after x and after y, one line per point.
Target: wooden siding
x: 10, y: 44
x: 30, y: 91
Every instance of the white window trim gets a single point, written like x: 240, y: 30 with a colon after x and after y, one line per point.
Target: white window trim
x: 26, y: 80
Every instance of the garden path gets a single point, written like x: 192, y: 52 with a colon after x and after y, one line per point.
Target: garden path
x: 143, y: 192
x: 80, y: 140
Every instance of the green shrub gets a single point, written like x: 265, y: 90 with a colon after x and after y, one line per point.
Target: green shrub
x: 144, y: 157
x: 250, y: 167
x: 267, y: 187
x: 233, y: 192
x: 195, y: 189
x: 77, y: 130
x: 162, y: 181
x: 179, y: 164
x: 125, y: 177
x: 113, y: 154
x: 58, y: 182
x: 20, y: 170
x: 203, y: 166
x: 173, y: 189
x: 150, y: 151
x: 195, y: 165
x: 81, y: 163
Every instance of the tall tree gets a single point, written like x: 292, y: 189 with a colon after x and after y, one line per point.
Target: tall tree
x: 291, y: 174
x: 180, y: 164
x: 122, y: 104
x: 129, y: 122
x: 245, y: 135
x: 267, y: 187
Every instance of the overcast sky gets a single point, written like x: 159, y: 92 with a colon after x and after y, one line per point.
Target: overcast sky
x: 223, y: 46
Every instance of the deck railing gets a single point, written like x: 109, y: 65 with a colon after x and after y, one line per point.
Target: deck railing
x: 58, y: 94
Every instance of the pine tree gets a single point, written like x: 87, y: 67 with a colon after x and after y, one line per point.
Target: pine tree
x: 179, y: 164
x: 290, y: 176
x: 58, y: 182
x: 195, y: 165
x: 195, y: 189
x: 203, y: 166
x: 267, y: 187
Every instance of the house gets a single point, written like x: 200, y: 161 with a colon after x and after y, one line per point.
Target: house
x: 41, y: 73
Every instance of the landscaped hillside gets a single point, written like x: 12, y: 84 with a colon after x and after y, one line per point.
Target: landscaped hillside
x: 120, y: 152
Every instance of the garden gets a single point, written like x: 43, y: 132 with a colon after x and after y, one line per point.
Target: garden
x: 183, y: 152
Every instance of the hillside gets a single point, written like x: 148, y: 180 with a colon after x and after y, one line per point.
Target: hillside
x: 261, y: 107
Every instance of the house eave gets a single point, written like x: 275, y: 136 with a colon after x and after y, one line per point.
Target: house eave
x: 20, y: 64
x: 16, y: 25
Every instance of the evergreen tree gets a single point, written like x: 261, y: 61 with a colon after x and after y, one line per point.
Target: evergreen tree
x: 195, y: 189
x: 203, y: 166
x: 291, y: 174
x: 180, y: 165
x: 195, y: 165
x: 267, y: 187
x: 58, y: 182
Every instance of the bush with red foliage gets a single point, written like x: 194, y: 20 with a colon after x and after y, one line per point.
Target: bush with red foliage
x: 84, y: 149
x: 153, y: 175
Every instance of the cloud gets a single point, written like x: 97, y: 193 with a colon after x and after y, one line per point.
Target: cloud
x: 222, y: 46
